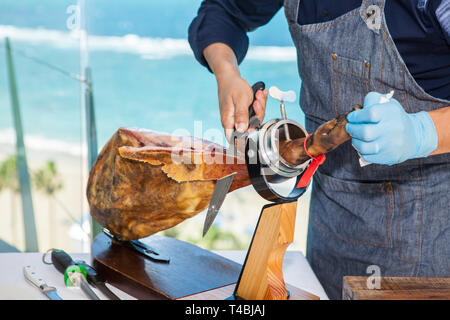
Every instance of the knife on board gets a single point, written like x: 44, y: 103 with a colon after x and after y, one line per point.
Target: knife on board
x: 97, y: 280
x: 35, y: 279
x: 62, y: 260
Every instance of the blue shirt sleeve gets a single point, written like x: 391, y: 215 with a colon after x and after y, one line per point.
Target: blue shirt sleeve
x: 228, y: 21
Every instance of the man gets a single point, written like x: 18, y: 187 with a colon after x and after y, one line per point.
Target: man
x: 394, y: 213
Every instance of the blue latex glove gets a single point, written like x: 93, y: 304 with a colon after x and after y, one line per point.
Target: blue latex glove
x: 385, y: 134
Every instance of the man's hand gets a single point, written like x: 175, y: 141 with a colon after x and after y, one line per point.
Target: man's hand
x: 235, y: 94
x: 385, y: 134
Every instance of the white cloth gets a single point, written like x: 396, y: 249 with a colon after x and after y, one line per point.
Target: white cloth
x: 14, y: 286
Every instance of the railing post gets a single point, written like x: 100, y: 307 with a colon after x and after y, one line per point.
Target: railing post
x: 91, y: 135
x: 31, y: 242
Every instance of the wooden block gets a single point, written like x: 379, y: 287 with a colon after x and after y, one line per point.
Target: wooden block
x: 397, y: 288
x: 262, y: 275
x: 191, y: 268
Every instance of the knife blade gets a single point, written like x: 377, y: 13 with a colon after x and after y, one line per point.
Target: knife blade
x: 31, y: 276
x: 219, y: 194
x: 224, y: 184
x: 97, y: 280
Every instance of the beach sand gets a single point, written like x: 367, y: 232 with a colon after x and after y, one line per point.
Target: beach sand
x: 58, y: 220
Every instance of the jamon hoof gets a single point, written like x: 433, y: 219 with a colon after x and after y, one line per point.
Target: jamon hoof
x: 327, y: 137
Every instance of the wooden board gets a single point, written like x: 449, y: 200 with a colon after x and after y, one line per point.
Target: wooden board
x: 227, y: 291
x: 191, y: 269
x: 397, y: 288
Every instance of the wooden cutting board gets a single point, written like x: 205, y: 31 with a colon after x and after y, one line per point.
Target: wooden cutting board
x: 397, y: 288
x: 191, y: 269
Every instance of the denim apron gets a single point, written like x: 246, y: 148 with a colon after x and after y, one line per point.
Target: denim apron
x: 393, y: 219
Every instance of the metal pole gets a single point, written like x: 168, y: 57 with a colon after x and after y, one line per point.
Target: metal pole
x: 89, y: 133
x: 283, y: 115
x: 31, y: 242
x: 91, y: 136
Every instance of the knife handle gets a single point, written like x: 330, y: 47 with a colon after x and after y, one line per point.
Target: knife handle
x: 256, y: 87
x: 33, y: 277
x: 253, y: 120
x: 61, y: 260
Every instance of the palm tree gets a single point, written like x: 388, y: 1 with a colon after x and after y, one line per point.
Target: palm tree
x: 10, y: 181
x: 48, y: 180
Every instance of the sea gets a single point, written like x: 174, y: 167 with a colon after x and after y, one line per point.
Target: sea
x: 143, y: 71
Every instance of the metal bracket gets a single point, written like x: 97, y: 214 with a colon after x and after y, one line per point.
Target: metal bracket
x: 140, y: 247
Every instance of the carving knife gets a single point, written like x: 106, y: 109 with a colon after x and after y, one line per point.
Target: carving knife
x: 97, y: 280
x: 31, y: 276
x: 219, y: 194
x: 224, y: 184
x: 61, y: 260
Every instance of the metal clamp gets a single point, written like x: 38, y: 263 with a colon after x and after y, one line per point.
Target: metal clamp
x: 140, y: 247
x: 262, y: 174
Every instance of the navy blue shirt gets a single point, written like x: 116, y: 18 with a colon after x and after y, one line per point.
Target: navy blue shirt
x: 420, y: 29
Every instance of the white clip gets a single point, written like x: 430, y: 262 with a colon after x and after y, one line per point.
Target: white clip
x: 387, y: 97
x: 283, y: 96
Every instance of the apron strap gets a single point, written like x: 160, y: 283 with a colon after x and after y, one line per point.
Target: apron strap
x: 291, y: 10
x: 372, y: 13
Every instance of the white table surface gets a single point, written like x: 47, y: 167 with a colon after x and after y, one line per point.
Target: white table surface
x: 14, y: 286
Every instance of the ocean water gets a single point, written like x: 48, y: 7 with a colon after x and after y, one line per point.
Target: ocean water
x: 144, y: 73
